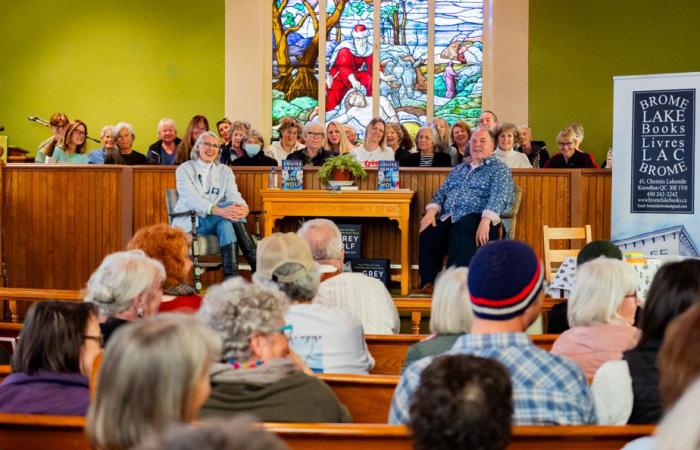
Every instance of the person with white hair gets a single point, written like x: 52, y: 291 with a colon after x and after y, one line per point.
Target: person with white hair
x: 328, y: 340
x: 257, y: 373
x: 109, y: 145
x: 163, y: 151
x: 209, y: 188
x: 364, y: 296
x: 123, y: 134
x: 125, y: 287
x: 313, y: 154
x: 601, y: 315
x: 450, y: 316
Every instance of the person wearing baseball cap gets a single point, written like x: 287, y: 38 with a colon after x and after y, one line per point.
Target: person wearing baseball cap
x: 506, y: 286
x: 327, y: 339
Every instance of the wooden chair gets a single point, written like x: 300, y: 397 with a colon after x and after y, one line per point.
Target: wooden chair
x: 368, y: 397
x: 556, y: 255
x: 510, y: 218
x: 397, y: 437
x: 14, y: 295
x: 416, y: 306
x: 40, y: 432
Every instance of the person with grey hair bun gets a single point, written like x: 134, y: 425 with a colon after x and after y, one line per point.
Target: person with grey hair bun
x: 327, y: 339
x: 155, y: 374
x: 123, y: 134
x: 125, y: 287
x: 257, y: 373
x: 241, y: 433
x: 209, y: 188
x: 364, y: 296
x: 313, y: 154
x: 450, y: 316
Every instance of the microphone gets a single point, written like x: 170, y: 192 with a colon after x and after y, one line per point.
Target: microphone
x: 38, y: 120
x: 2, y: 127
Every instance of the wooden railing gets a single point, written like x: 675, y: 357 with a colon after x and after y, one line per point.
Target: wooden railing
x: 62, y: 220
x: 37, y: 432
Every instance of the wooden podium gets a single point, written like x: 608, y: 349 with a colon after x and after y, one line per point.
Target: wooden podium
x: 394, y: 205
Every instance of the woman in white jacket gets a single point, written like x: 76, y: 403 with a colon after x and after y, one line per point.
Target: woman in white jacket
x: 209, y: 188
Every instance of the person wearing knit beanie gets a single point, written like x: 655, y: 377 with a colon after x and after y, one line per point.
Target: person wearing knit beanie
x: 505, y: 278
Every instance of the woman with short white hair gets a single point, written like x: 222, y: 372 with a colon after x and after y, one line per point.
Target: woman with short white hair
x: 124, y: 136
x: 450, y: 315
x: 154, y: 374
x: 125, y: 287
x: 257, y: 373
x: 601, y: 315
x: 164, y: 151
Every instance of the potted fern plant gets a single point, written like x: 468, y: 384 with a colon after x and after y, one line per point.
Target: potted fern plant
x: 341, y: 168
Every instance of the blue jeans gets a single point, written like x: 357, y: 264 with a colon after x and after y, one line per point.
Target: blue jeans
x: 222, y: 228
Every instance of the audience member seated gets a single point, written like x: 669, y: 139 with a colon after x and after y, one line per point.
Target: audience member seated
x: 627, y: 391
x: 547, y: 389
x: 568, y: 157
x: 450, y: 316
x: 289, y: 129
x: 53, y: 361
x: 336, y: 142
x: 72, y: 149
x: 59, y: 122
x: 394, y: 138
x: 313, y: 154
x: 463, y: 402
x: 240, y: 433
x: 508, y: 138
x: 124, y: 135
x: 126, y: 287
x: 239, y: 130
x: 558, y: 321
x: 578, y: 129
x: 328, y: 340
x: 209, y: 188
x: 443, y: 142
x: 164, y: 151
x: 374, y: 148
x: 488, y: 119
x: 351, y: 134
x: 170, y: 246
x: 536, y: 151
x: 601, y: 315
x: 465, y: 212
x: 679, y: 373
x: 223, y: 127
x: 154, y: 375
x: 460, y: 134
x: 253, y: 145
x: 197, y: 125
x: 364, y: 296
x: 109, y: 145
x: 257, y: 375
x: 430, y: 153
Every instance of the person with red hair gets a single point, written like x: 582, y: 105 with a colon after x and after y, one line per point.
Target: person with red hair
x: 170, y: 246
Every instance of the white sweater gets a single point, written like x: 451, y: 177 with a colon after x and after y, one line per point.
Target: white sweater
x: 513, y: 159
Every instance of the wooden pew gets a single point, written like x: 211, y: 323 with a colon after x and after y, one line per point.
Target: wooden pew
x: 37, y: 432
x: 393, y: 437
x: 389, y: 351
x: 368, y: 397
x: 5, y: 370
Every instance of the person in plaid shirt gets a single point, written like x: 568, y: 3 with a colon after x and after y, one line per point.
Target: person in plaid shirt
x: 505, y: 288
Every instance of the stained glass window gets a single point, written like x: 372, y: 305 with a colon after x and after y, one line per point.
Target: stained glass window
x: 403, y: 35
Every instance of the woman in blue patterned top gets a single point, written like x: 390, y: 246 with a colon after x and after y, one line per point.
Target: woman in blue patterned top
x: 466, y: 210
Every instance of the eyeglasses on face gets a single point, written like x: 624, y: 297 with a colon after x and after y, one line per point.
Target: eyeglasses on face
x: 79, y: 133
x: 210, y: 145
x: 315, y: 134
x: 565, y: 144
x: 286, y: 330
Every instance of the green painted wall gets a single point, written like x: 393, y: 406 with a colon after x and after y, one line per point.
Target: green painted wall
x: 577, y: 46
x: 107, y: 61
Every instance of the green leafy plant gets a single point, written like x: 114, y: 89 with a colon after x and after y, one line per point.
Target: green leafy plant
x: 341, y: 162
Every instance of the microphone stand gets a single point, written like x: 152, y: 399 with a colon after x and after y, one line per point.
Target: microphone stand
x: 45, y: 123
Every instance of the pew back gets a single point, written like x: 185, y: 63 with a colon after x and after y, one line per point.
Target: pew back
x: 368, y: 397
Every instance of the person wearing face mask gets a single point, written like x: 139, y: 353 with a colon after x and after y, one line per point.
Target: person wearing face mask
x: 253, y: 144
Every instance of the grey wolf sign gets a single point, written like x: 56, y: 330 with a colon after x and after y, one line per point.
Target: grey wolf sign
x: 662, y: 151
